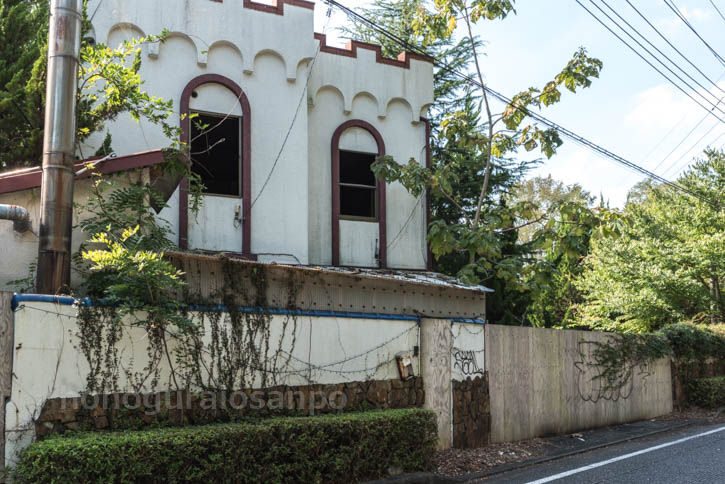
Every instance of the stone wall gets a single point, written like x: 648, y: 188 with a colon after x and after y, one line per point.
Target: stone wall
x: 471, y: 412
x: 136, y: 411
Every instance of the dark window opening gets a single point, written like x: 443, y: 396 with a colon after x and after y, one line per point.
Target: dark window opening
x: 358, y: 187
x: 216, y: 153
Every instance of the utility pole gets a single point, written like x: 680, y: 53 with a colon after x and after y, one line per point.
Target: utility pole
x: 56, y: 200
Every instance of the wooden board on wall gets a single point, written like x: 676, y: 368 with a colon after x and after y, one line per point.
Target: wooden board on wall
x: 544, y: 381
x: 6, y: 363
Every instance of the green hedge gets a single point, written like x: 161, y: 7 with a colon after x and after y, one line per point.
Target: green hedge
x: 331, y: 448
x: 708, y: 392
x: 691, y: 342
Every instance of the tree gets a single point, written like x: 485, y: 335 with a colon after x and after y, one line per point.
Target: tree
x: 663, y: 261
x: 546, y: 194
x: 23, y: 45
x: 475, y: 222
x: 452, y: 154
x: 489, y: 143
x: 108, y: 84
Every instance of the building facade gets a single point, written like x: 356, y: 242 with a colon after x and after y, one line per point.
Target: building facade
x: 282, y: 129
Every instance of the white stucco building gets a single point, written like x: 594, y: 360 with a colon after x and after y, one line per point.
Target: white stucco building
x: 292, y: 126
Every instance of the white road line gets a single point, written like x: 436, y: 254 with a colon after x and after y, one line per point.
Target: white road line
x: 622, y: 457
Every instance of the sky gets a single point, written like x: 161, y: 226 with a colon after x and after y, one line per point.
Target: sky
x: 630, y: 110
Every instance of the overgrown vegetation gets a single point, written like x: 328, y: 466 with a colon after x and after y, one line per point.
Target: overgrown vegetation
x: 624, y: 352
x: 554, y: 256
x: 339, y: 448
x: 708, y: 392
x: 665, y: 263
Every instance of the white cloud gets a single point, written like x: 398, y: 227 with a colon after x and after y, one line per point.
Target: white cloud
x: 658, y: 109
x: 671, y: 24
x: 576, y: 164
x: 662, y: 116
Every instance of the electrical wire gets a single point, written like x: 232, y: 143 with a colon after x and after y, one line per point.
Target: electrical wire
x: 676, y: 10
x: 303, y: 96
x: 662, y: 53
x: 680, y: 88
x: 685, y: 138
x: 717, y: 10
x: 537, y: 117
x: 663, y: 37
x: 667, y: 170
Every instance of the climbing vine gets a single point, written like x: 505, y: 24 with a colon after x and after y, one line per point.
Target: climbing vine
x: 618, y: 357
x: 235, y: 348
x: 205, y: 345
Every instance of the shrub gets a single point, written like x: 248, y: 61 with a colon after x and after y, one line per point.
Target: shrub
x: 690, y: 342
x: 329, y: 448
x: 708, y: 392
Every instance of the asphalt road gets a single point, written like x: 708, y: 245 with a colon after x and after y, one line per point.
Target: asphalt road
x: 692, y: 455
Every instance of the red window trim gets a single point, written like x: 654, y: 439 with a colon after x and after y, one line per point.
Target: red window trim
x: 382, y: 209
x: 246, y: 242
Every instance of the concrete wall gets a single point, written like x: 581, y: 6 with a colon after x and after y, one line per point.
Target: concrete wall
x: 47, y: 362
x: 542, y: 381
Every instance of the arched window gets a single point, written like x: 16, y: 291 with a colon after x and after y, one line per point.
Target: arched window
x: 356, y: 194
x: 218, y: 139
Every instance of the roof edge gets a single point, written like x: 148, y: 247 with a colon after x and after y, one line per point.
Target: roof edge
x: 350, y: 50
x: 26, y: 178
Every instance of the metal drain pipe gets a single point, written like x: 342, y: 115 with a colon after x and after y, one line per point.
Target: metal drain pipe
x: 19, y: 216
x: 56, y: 199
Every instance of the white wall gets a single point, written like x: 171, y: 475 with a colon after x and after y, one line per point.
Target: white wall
x: 47, y: 362
x: 18, y: 251
x: 268, y: 55
x: 244, y: 45
x: 344, y: 88
x: 467, y: 355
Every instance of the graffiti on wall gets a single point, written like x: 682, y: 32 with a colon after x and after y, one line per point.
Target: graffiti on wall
x: 465, y: 362
x: 592, y: 385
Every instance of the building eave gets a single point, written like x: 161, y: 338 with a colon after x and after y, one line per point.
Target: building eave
x: 27, y: 178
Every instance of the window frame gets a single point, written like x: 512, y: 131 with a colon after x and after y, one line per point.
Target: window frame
x: 185, y: 101
x: 335, y: 192
x: 240, y: 154
x: 374, y: 188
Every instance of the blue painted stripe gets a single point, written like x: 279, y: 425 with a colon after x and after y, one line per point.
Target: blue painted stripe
x: 468, y: 320
x: 62, y: 300
x: 70, y: 301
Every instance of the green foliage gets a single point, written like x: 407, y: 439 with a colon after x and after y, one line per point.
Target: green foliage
x: 689, y: 342
x: 563, y: 242
x: 122, y: 263
x: 708, y: 392
x: 108, y: 83
x: 135, y: 274
x: 683, y: 342
x: 23, y: 46
x: 618, y: 357
x: 339, y: 448
x: 662, y: 260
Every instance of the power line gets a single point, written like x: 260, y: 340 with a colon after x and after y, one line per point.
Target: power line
x: 677, y: 161
x: 569, y: 134
x: 662, y: 53
x: 676, y: 10
x: 687, y: 59
x: 663, y: 37
x: 650, y: 63
x: 717, y: 10
x: 685, y: 139
x: 294, y: 120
